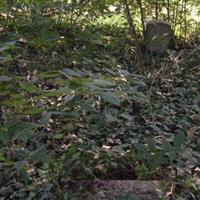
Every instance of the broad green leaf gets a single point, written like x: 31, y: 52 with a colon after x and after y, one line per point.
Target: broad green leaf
x: 33, y: 111
x: 140, y: 97
x: 21, y: 168
x: 110, y: 118
x: 179, y: 140
x: 29, y: 87
x: 172, y: 156
x: 191, y: 183
x: 20, y: 128
x: 5, y: 78
x: 167, y: 146
x: 16, y: 96
x: 51, y: 93
x: 111, y: 97
x: 51, y: 74
x: 69, y: 97
x: 58, y: 136
x: 73, y: 149
x: 23, y: 134
x: 4, y: 94
x: 40, y: 155
x: 8, y: 163
x: 45, y: 119
x: 102, y: 83
x: 140, y: 147
x: 4, y: 135
x: 2, y: 157
x: 126, y: 116
x: 118, y: 149
x: 16, y: 102
x: 151, y: 143
x: 71, y: 72
x: 7, y: 46
x: 76, y: 82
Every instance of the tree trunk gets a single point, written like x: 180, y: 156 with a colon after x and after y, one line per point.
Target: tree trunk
x: 134, y: 35
x: 185, y: 19
x: 168, y: 10
x: 157, y: 7
x: 139, y: 2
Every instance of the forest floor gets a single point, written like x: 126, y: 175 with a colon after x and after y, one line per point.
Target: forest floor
x: 77, y: 109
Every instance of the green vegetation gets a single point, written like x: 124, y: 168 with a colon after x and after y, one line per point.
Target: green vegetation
x: 75, y: 104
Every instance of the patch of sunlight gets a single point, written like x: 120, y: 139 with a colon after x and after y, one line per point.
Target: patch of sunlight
x: 195, y: 14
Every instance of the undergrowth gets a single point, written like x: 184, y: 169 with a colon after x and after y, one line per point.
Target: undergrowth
x: 73, y: 108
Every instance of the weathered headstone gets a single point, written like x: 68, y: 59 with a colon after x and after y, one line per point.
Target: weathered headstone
x: 158, y: 36
x: 128, y: 189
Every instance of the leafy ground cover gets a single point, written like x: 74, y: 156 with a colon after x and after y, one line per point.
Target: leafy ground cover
x: 91, y: 115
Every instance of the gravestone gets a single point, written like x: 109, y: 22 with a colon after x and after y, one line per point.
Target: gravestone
x: 128, y: 189
x: 158, y: 36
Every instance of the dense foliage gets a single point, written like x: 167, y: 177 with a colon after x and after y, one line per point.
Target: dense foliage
x: 76, y: 107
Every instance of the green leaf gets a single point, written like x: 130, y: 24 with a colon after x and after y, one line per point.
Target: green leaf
x: 16, y: 102
x: 2, y: 157
x: 7, y: 46
x: 51, y: 74
x: 172, y: 156
x: 126, y: 116
x: 21, y: 130
x: 110, y: 118
x: 140, y: 147
x: 8, y: 163
x: 71, y: 72
x: 151, y: 143
x: 167, y: 146
x: 40, y: 155
x: 140, y: 97
x: 23, y: 134
x: 76, y: 82
x: 21, y: 168
x: 33, y: 111
x: 51, y: 93
x: 4, y: 136
x: 111, y: 97
x: 58, y: 136
x: 29, y: 87
x: 102, y: 83
x: 5, y: 78
x: 179, y: 140
x: 45, y: 119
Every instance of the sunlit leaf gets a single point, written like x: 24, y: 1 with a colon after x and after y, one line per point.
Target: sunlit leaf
x: 29, y: 87
x: 49, y: 74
